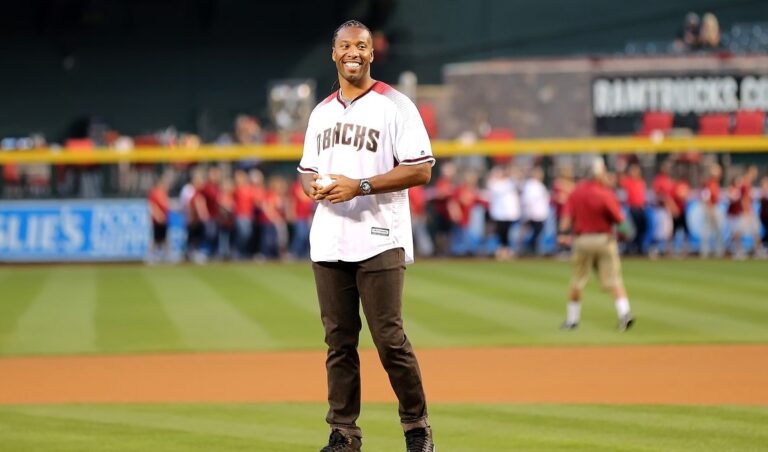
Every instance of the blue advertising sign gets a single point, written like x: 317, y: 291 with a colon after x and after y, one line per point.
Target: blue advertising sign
x: 74, y: 230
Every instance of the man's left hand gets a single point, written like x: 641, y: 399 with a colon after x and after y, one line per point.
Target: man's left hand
x: 343, y: 189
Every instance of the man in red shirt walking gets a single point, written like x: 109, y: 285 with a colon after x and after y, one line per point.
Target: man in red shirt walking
x: 591, y: 213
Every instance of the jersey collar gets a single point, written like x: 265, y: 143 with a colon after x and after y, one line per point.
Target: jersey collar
x: 341, y: 101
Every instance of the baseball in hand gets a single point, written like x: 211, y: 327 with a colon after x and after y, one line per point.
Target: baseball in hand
x: 324, y: 181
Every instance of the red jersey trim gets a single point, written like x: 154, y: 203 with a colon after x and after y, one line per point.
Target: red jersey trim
x: 330, y: 97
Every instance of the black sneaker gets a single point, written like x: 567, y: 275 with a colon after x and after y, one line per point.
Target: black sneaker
x: 626, y: 322
x: 339, y: 442
x: 419, y: 440
x: 569, y: 326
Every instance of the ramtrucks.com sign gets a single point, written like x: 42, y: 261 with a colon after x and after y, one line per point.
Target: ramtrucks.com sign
x: 621, y: 96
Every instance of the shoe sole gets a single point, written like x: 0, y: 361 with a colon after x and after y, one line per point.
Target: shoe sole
x: 629, y: 324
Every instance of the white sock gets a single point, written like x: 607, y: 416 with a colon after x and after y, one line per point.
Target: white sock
x: 573, y: 312
x: 622, y: 306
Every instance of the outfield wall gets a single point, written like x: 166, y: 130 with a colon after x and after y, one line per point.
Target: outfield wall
x: 120, y: 230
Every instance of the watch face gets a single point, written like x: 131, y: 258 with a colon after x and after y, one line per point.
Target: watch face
x: 365, y: 187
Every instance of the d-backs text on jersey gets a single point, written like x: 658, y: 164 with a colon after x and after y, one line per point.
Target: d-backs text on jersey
x: 353, y: 135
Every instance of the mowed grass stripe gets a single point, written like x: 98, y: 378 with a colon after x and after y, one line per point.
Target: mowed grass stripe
x: 716, y: 291
x: 490, y: 298
x: 457, y: 427
x: 129, y: 315
x: 587, y: 428
x: 655, y: 302
x: 275, y: 310
x: 713, y: 300
x: 60, y: 316
x: 64, y: 434
x: 20, y: 288
x: 290, y: 283
x: 204, y: 320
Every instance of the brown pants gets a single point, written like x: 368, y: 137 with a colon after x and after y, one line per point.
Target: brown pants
x: 377, y: 283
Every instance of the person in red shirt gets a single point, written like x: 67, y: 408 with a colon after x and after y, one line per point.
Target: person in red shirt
x: 417, y: 198
x: 159, y: 206
x: 271, y: 218
x: 634, y: 187
x: 712, y: 228
x: 733, y: 214
x: 244, y: 205
x: 764, y: 213
x: 460, y: 205
x: 197, y: 217
x: 225, y: 221
x: 439, y: 195
x: 300, y: 209
x: 210, y: 192
x: 591, y: 214
x: 562, y: 187
x: 680, y: 193
x: 663, y: 186
x: 742, y: 219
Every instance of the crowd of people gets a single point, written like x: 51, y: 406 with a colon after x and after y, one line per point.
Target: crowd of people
x: 503, y: 211
x: 234, y: 215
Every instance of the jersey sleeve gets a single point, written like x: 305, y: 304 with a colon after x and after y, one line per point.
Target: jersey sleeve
x: 309, y: 158
x: 412, y: 144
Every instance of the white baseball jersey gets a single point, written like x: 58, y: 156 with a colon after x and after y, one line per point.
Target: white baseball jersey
x: 378, y: 130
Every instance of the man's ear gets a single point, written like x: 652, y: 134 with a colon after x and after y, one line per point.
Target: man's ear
x: 333, y: 54
x: 371, y: 61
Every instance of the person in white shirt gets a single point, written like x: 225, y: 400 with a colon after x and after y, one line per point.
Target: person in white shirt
x: 365, y: 145
x: 535, y: 200
x: 504, y: 207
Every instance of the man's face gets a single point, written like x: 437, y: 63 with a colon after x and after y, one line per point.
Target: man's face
x: 353, y: 53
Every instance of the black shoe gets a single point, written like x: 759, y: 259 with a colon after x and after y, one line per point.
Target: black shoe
x: 569, y: 326
x: 419, y: 440
x: 339, y: 442
x: 626, y: 322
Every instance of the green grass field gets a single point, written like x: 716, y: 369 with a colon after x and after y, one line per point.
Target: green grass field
x: 53, y: 310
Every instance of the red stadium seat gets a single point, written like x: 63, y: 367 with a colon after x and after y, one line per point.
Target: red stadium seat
x: 11, y: 174
x: 749, y: 123
x: 654, y: 121
x: 296, y: 138
x: 714, y: 124
x: 501, y: 134
x: 271, y: 138
x: 429, y: 116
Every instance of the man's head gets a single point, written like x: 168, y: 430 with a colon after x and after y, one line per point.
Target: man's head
x: 597, y: 171
x: 715, y: 171
x: 352, y: 51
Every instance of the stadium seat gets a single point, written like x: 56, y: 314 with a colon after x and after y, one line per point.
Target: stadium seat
x: 656, y: 121
x: 11, y: 173
x: 271, y: 138
x: 500, y: 134
x: 749, y: 123
x: 714, y: 124
x: 429, y: 116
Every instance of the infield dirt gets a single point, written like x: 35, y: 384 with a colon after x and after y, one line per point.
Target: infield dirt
x: 720, y: 374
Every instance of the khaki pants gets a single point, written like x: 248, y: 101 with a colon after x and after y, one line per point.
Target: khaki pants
x: 377, y: 283
x: 598, y: 251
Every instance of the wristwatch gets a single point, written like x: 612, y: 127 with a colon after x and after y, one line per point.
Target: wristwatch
x: 365, y: 186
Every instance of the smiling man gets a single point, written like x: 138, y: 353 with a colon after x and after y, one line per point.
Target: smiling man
x: 365, y: 146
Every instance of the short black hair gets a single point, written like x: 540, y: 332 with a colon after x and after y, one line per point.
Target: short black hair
x: 347, y: 24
